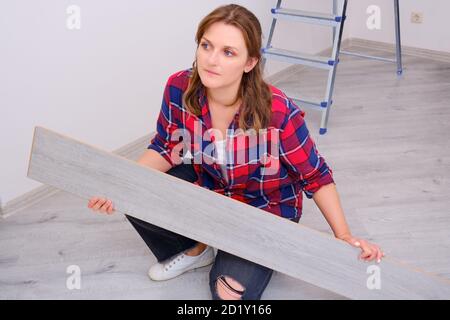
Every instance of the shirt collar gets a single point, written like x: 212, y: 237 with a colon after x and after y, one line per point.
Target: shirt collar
x: 206, y: 115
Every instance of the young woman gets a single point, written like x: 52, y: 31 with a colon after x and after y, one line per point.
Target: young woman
x: 222, y: 96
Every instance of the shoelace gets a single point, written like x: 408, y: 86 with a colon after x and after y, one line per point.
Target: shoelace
x: 172, y: 263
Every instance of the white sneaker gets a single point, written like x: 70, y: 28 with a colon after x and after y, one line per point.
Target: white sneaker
x: 180, y: 264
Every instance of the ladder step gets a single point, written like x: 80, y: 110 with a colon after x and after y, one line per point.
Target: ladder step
x: 307, y: 16
x: 298, y: 58
x: 306, y: 101
x: 310, y: 103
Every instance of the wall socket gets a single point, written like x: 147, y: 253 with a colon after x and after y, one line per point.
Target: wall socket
x: 416, y: 17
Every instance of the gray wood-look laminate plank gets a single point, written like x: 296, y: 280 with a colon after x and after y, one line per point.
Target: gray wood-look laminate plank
x: 190, y: 210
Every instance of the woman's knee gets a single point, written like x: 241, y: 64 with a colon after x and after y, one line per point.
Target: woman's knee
x: 227, y: 288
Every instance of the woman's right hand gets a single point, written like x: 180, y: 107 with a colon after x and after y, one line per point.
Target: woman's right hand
x: 101, y: 204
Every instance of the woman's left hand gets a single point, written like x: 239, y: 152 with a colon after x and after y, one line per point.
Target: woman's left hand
x: 369, y: 251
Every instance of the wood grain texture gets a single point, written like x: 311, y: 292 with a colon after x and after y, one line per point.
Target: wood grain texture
x: 223, y: 223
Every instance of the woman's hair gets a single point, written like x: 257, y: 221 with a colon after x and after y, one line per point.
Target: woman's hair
x: 254, y: 92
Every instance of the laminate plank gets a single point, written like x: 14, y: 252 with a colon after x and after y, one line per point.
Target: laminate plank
x: 279, y: 244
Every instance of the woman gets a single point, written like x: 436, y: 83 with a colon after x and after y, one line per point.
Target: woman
x: 209, y: 106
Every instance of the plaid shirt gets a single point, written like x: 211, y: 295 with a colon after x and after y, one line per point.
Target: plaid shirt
x: 276, y: 185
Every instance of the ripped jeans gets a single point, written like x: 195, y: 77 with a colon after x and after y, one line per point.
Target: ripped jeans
x: 164, y: 244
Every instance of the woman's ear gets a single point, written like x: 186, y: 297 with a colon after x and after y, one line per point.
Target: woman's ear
x: 250, y: 64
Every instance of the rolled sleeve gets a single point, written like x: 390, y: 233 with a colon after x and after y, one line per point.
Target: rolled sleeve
x: 165, y: 127
x: 299, y: 154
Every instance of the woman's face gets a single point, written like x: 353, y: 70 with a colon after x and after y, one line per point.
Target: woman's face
x: 223, y: 52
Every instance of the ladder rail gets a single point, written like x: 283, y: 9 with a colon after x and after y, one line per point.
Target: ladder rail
x: 332, y: 72
x: 269, y: 39
x: 335, y: 13
x: 398, y: 43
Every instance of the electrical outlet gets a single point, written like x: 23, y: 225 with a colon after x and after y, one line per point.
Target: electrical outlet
x: 416, y: 17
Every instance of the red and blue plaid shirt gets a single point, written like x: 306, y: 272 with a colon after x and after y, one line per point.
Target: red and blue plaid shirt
x: 274, y: 186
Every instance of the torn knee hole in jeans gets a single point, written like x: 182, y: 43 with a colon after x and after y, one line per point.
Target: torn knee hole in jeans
x: 233, y: 289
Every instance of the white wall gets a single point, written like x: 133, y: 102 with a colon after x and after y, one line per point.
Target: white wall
x: 102, y: 84
x: 433, y: 33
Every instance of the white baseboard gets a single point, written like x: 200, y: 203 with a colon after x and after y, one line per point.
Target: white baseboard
x: 26, y: 200
x: 406, y: 50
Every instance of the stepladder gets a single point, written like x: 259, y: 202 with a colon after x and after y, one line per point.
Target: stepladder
x: 334, y: 20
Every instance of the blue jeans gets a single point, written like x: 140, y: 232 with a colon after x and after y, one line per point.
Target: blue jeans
x: 164, y: 244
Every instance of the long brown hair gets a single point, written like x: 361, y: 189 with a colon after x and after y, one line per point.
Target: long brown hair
x: 254, y: 92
